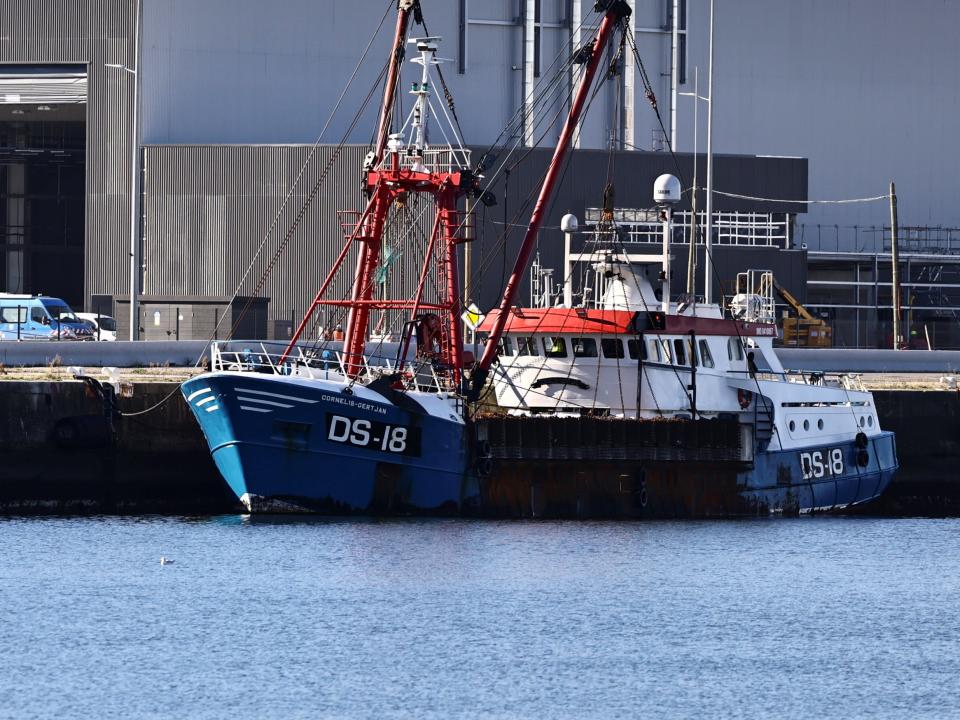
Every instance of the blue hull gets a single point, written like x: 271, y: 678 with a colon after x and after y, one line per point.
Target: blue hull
x: 289, y: 446
x: 299, y: 447
x: 820, y: 478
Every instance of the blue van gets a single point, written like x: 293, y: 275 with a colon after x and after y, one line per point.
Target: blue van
x: 37, y: 317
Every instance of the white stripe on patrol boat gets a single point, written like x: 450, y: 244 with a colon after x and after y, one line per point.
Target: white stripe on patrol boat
x: 262, y: 402
x: 212, y: 408
x: 201, y: 403
x: 276, y: 395
x: 256, y: 409
x: 192, y: 395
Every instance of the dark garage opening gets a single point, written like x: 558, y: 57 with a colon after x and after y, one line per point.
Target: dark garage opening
x: 42, y: 180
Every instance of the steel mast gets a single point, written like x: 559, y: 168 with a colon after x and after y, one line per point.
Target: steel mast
x: 614, y: 12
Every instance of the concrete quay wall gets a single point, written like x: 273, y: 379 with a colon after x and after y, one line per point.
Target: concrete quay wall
x: 60, y: 455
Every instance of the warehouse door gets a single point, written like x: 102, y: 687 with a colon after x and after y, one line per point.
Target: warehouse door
x: 42, y: 179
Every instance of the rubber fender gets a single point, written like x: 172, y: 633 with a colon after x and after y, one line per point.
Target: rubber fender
x: 484, y: 466
x: 863, y: 458
x: 861, y: 440
x: 484, y: 449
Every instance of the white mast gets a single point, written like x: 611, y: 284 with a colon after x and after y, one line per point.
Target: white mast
x: 674, y: 73
x: 708, y: 259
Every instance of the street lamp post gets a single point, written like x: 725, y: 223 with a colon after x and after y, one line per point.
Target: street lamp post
x: 692, y: 258
x: 135, y: 260
x: 708, y: 241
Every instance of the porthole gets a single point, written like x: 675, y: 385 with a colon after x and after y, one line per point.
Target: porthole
x: 793, y: 426
x: 870, y: 421
x: 806, y: 424
x: 863, y: 421
x: 820, y: 424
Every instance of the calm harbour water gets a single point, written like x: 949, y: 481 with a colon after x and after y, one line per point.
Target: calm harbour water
x: 811, y: 618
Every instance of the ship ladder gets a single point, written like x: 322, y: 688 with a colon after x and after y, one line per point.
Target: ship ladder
x: 762, y: 421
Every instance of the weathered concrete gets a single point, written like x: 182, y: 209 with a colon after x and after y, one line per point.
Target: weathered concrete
x: 870, y: 361
x: 102, y: 354
x: 58, y: 455
x: 927, y: 427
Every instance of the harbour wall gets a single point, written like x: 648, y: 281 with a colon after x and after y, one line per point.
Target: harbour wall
x: 61, y: 454
x: 189, y: 353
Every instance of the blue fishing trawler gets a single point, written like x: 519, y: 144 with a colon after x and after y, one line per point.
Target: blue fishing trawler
x: 659, y: 407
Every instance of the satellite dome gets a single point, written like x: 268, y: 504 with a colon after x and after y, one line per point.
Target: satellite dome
x: 666, y: 190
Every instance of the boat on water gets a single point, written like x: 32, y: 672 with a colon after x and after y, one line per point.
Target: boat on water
x: 631, y: 405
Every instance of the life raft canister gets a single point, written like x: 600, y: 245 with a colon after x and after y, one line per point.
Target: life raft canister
x: 744, y: 397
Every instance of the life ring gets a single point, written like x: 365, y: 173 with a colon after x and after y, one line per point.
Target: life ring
x: 744, y: 397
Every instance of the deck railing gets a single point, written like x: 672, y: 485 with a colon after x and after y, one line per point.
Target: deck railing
x: 314, y: 363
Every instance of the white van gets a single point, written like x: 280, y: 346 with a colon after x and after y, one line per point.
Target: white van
x: 104, y: 326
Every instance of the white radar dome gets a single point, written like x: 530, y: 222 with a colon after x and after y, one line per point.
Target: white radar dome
x: 666, y: 190
x: 569, y: 223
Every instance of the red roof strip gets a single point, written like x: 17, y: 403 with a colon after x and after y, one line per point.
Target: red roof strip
x: 578, y: 321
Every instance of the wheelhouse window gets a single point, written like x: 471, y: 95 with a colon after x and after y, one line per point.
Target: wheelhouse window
x: 667, y: 354
x: 584, y: 347
x: 679, y: 352
x: 612, y: 348
x: 554, y: 347
x: 734, y: 349
x: 526, y: 346
x: 506, y: 346
x: 636, y: 348
x: 705, y: 357
x: 655, y: 353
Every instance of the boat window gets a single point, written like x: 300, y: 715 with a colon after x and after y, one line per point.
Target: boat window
x: 680, y: 352
x: 705, y: 357
x: 734, y: 349
x: 506, y: 346
x: 612, y: 348
x: 655, y: 350
x: 526, y: 346
x: 635, y: 348
x: 584, y: 347
x: 555, y: 347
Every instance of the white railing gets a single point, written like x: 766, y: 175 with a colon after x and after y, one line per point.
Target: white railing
x: 317, y: 363
x: 730, y: 228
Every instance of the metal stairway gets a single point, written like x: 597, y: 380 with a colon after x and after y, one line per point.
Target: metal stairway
x: 762, y: 421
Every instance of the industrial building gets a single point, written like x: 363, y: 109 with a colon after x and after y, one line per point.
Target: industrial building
x: 186, y: 125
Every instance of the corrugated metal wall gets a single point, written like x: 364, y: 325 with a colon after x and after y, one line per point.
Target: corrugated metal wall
x: 91, y: 32
x: 207, y: 209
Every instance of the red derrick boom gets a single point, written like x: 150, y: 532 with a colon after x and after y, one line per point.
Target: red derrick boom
x: 396, y: 170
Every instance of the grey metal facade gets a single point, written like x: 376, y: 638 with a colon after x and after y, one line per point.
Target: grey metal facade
x: 866, y: 90
x: 92, y: 33
x: 208, y: 208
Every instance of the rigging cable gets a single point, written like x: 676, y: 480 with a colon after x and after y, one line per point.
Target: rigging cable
x: 283, y: 205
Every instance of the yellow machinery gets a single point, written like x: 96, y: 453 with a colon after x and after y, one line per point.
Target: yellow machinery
x: 804, y: 330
